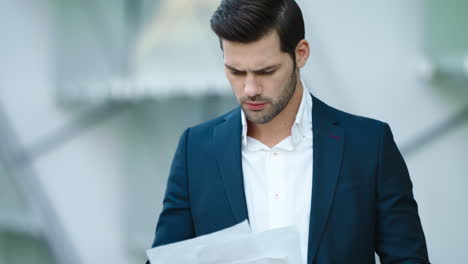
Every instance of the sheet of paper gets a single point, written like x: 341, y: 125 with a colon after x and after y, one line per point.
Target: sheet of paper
x: 235, y: 245
x: 280, y: 245
x: 264, y: 261
x: 186, y: 251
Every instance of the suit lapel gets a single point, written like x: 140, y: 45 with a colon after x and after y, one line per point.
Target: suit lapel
x: 227, y: 143
x: 328, y: 144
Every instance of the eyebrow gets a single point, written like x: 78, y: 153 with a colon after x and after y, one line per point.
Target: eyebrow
x: 265, y: 69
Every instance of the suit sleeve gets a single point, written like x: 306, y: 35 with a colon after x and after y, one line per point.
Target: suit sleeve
x: 400, y: 237
x: 175, y: 222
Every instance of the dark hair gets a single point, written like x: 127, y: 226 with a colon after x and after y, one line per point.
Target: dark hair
x: 247, y: 21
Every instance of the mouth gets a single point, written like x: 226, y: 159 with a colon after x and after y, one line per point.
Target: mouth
x: 256, y: 106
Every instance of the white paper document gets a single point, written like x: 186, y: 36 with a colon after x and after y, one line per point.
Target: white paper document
x: 234, y: 245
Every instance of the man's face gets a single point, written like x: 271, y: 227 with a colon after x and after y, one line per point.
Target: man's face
x: 262, y: 77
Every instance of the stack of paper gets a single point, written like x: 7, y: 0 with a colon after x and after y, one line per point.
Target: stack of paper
x: 234, y: 245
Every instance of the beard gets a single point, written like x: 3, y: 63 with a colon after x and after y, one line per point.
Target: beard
x: 274, y: 107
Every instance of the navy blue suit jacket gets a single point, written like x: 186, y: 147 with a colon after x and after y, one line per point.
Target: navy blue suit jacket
x: 362, y: 199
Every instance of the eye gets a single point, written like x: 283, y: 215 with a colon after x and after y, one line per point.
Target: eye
x: 266, y: 73
x: 237, y: 73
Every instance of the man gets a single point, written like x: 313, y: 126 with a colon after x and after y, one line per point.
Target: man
x: 285, y: 158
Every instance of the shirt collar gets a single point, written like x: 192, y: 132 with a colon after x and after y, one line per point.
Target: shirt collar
x: 302, y: 126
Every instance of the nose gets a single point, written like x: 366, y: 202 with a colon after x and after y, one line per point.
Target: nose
x: 251, y: 86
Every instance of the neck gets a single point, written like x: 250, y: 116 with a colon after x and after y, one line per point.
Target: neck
x: 280, y: 126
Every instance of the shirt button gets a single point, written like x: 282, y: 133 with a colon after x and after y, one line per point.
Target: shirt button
x: 276, y: 196
x: 275, y: 153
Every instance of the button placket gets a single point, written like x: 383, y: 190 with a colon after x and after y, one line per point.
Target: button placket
x: 276, y: 192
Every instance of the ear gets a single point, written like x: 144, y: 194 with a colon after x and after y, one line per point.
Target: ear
x: 302, y: 53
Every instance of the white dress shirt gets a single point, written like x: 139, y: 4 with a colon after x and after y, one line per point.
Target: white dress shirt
x: 278, y: 180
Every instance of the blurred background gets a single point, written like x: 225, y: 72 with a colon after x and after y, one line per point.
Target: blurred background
x: 94, y: 95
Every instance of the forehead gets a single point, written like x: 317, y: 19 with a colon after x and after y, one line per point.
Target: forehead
x: 260, y: 53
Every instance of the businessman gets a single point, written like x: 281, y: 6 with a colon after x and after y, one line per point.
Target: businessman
x: 285, y: 158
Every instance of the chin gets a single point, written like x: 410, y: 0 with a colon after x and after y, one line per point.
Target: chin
x: 257, y: 117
